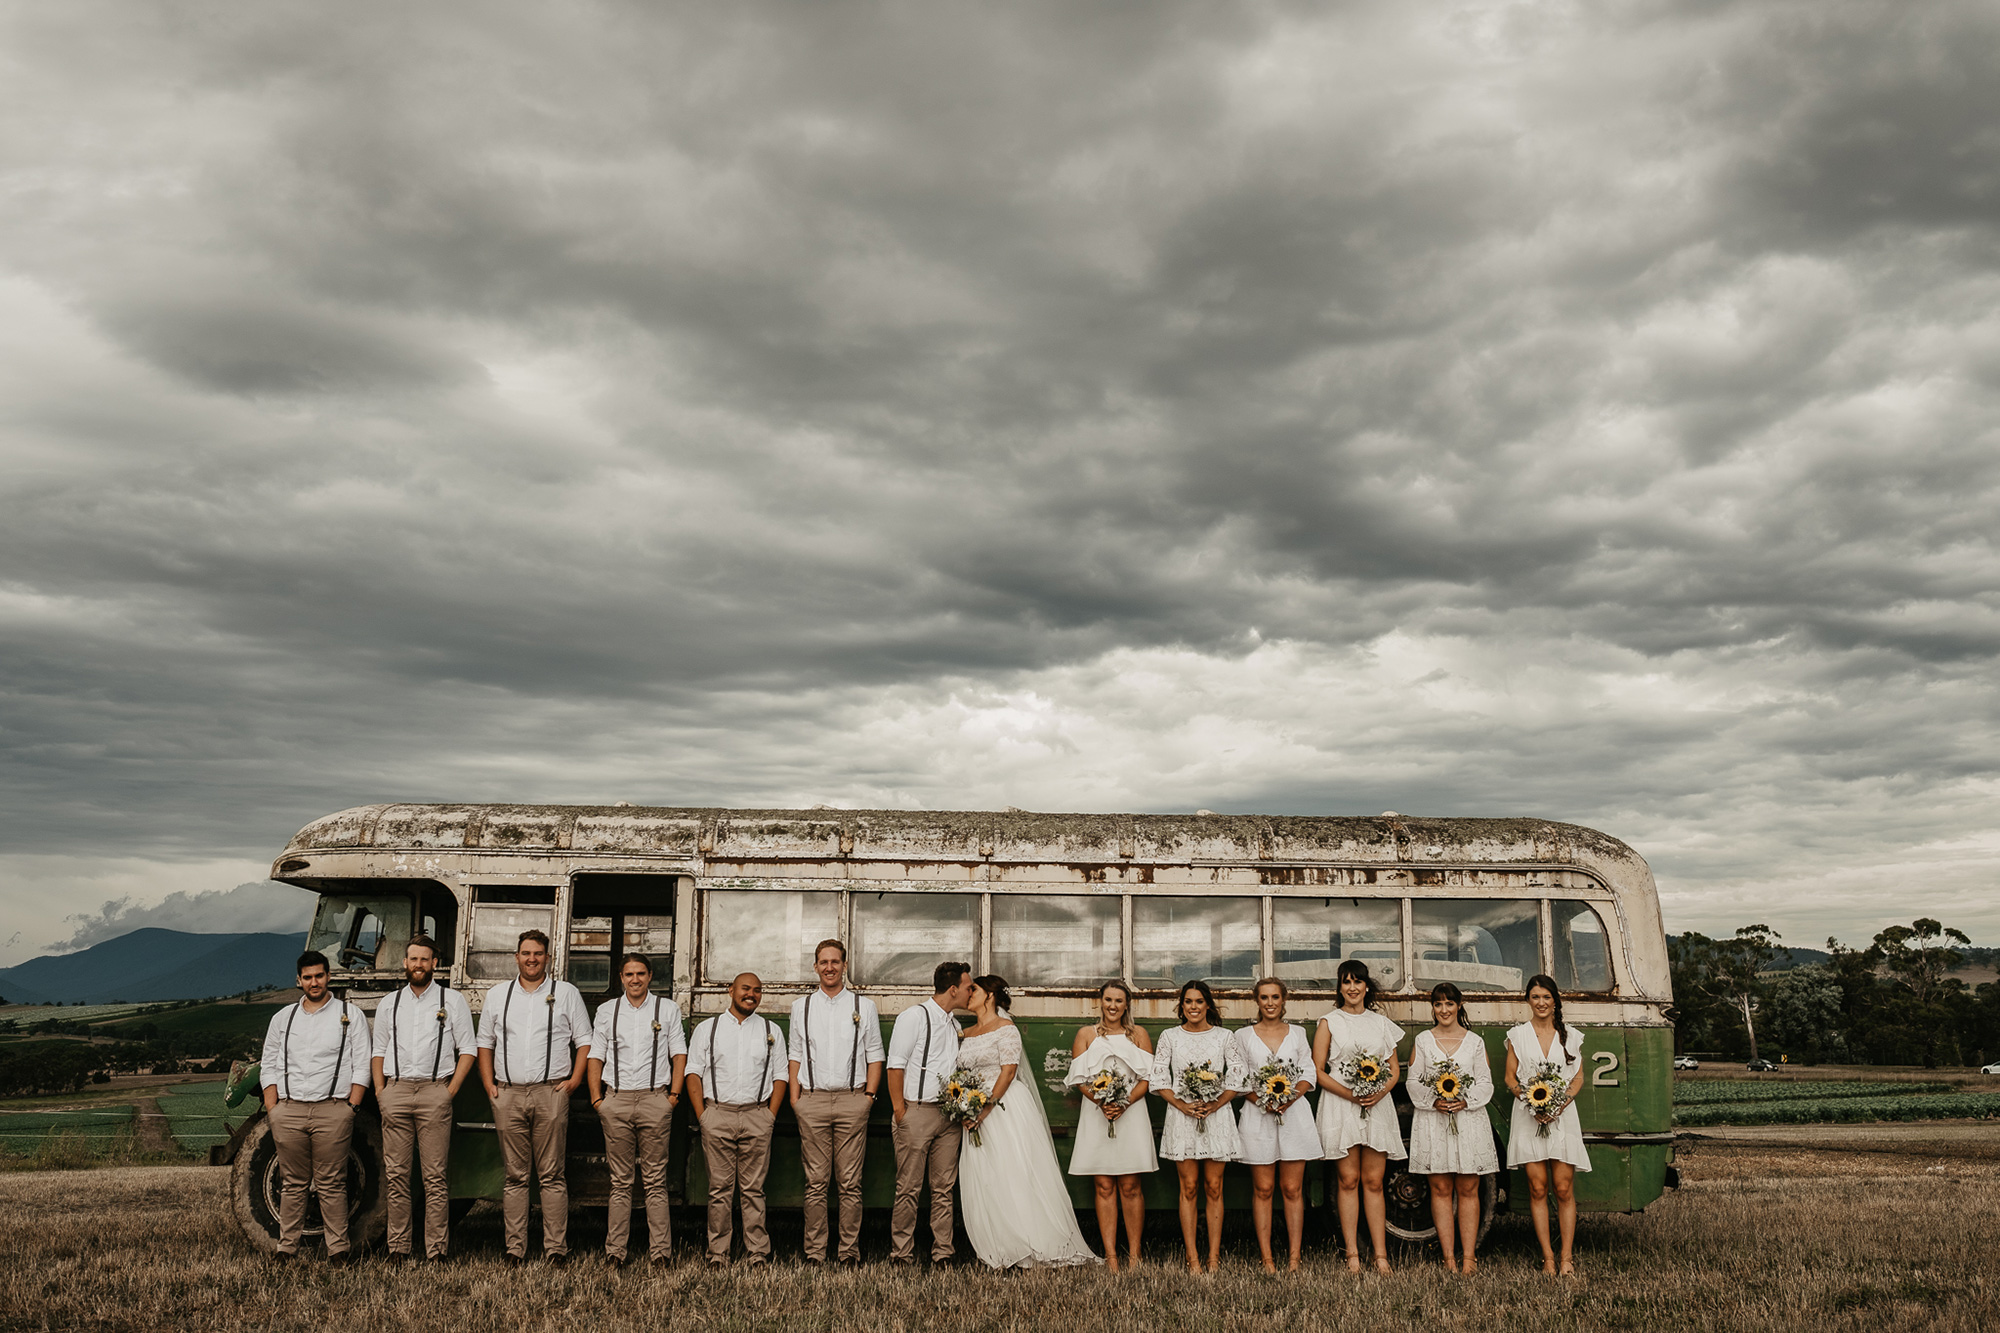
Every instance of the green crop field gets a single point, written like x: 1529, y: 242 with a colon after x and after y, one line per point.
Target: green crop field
x: 97, y: 1129
x: 194, y: 1116
x: 1707, y: 1092
x: 1844, y: 1110
x: 27, y: 1015
x: 216, y: 1020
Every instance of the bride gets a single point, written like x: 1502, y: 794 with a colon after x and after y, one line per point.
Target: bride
x: 1016, y: 1203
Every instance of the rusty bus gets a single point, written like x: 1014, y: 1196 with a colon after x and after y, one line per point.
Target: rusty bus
x: 1054, y: 902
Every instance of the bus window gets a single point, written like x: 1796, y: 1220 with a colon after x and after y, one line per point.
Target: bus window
x: 1583, y: 954
x: 900, y: 938
x: 1490, y: 945
x: 499, y: 914
x: 771, y: 933
x: 1218, y: 940
x: 362, y: 933
x: 1056, y: 941
x: 589, y: 966
x: 1314, y: 935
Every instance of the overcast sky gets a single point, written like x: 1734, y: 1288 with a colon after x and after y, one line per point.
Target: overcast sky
x: 1580, y: 410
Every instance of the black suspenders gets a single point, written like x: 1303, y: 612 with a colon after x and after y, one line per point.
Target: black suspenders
x: 505, y: 1005
x: 285, y: 1057
x: 925, y: 1068
x: 617, y: 1004
x: 437, y: 1054
x: 549, y: 1037
x: 764, y: 1084
x: 653, y: 1075
x: 853, y: 1060
x: 396, y: 1036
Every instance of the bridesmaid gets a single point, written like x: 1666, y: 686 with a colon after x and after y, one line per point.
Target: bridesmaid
x: 1198, y: 1141
x: 1454, y: 1162
x: 1276, y: 1145
x: 1554, y: 1158
x: 1117, y: 1161
x: 1360, y: 1144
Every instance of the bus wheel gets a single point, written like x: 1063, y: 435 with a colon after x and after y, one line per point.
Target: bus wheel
x: 1408, y: 1197
x: 255, y: 1186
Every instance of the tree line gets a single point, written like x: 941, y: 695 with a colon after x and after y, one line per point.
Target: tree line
x: 1894, y: 1002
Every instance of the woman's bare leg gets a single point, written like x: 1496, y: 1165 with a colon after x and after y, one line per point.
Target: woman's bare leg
x: 1347, y: 1171
x: 1132, y: 1203
x: 1444, y: 1216
x: 1374, y: 1165
x: 1565, y: 1187
x: 1292, y: 1184
x: 1468, y: 1220
x: 1263, y: 1181
x: 1212, y: 1187
x: 1190, y: 1182
x: 1107, y: 1218
x: 1538, y: 1208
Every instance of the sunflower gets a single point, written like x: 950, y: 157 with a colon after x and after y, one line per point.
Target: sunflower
x: 1102, y: 1082
x: 1447, y: 1088
x: 1540, y: 1095
x: 1278, y: 1086
x: 1368, y: 1070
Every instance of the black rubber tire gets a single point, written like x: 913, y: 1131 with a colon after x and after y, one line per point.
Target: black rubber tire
x: 254, y: 1188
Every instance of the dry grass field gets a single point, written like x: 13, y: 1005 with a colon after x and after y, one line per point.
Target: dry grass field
x: 1766, y: 1236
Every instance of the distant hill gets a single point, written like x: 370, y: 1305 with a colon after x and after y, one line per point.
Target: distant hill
x: 155, y: 964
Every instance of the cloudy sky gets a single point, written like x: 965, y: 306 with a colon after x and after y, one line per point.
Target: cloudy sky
x: 1574, y: 409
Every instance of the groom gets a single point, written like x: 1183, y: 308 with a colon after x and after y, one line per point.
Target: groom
x: 923, y: 1052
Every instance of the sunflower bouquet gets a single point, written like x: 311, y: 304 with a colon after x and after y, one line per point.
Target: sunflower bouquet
x: 1545, y: 1092
x: 1448, y: 1083
x: 1199, y: 1085
x: 1109, y: 1087
x: 1365, y: 1074
x: 1276, y: 1083
x: 963, y: 1097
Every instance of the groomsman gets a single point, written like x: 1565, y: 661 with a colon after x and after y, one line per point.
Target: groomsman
x: 637, y: 1060
x: 735, y: 1085
x: 424, y: 1051
x: 835, y: 1067
x: 923, y: 1052
x: 527, y: 1030
x: 314, y: 1074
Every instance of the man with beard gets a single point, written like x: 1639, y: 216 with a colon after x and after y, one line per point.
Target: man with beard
x: 423, y: 1052
x: 527, y: 1030
x: 735, y: 1085
x: 314, y: 1074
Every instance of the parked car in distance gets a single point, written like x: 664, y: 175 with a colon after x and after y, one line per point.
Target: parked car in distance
x: 1761, y: 1067
x: 1686, y: 1062
x: 1993, y: 1068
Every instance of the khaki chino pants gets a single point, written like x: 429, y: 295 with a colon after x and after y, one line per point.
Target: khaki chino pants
x: 635, y: 1134
x: 533, y: 1123
x: 312, y: 1139
x: 416, y: 1120
x: 926, y: 1149
x: 833, y: 1140
x: 736, y: 1141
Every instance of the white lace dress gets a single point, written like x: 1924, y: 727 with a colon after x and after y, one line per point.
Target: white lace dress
x: 1564, y: 1140
x: 1434, y: 1149
x: 1180, y: 1140
x: 1098, y: 1151
x: 1342, y: 1126
x: 1013, y: 1197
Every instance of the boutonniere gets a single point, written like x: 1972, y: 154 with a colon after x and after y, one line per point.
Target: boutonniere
x: 343, y: 1015
x: 656, y: 1025
x: 857, y: 1014
x: 770, y: 1038
x: 440, y: 1015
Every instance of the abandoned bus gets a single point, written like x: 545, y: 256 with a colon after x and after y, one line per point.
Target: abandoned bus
x: 1054, y: 903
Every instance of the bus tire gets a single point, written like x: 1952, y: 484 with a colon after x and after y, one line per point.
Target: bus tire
x: 254, y: 1187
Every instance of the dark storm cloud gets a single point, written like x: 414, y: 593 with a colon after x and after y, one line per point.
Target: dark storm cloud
x: 953, y: 404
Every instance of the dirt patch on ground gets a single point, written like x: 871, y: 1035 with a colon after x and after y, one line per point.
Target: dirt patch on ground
x: 149, y: 1127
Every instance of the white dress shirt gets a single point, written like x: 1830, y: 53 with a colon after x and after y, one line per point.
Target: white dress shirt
x: 925, y: 1046
x: 834, y: 1038
x: 531, y: 1031
x: 638, y: 1042
x: 315, y: 1056
x: 737, y: 1060
x: 420, y: 1035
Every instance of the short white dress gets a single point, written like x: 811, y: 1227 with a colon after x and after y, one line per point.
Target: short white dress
x: 1098, y: 1151
x: 1178, y: 1051
x: 1341, y: 1124
x: 1268, y: 1138
x: 1434, y: 1149
x: 1564, y: 1140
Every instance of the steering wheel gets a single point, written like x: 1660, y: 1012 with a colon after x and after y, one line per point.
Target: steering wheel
x: 357, y: 958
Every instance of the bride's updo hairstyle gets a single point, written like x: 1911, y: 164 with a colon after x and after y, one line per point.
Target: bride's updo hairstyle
x: 997, y: 988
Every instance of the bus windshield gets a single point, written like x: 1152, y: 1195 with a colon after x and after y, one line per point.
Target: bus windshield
x: 362, y: 932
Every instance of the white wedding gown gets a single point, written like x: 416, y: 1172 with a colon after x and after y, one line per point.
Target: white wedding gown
x: 1011, y: 1189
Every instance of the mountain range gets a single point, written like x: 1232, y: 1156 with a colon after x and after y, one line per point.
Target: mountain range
x: 156, y: 964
